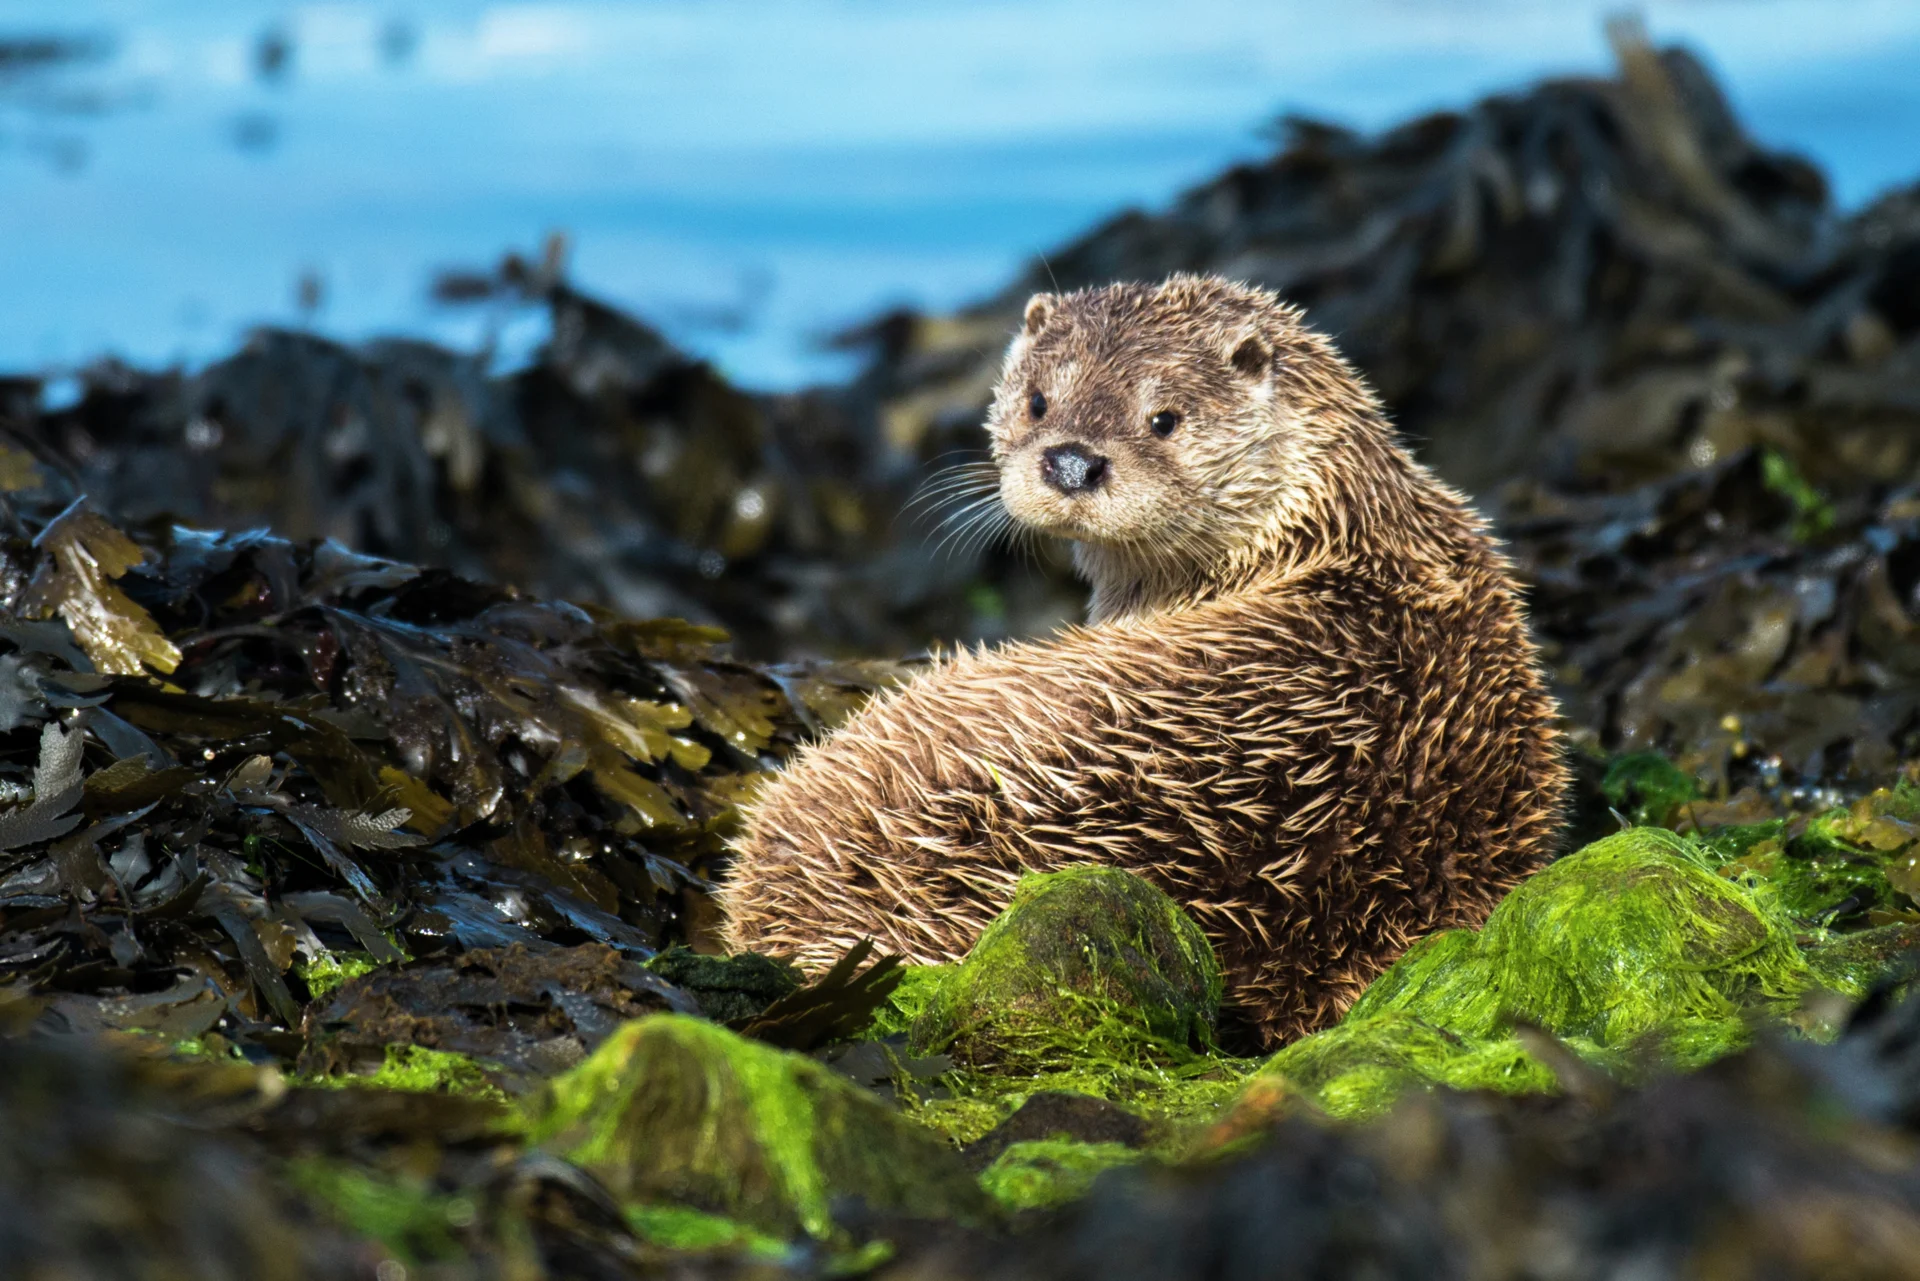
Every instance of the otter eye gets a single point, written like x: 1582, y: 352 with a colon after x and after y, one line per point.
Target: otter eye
x: 1163, y: 423
x: 1037, y: 405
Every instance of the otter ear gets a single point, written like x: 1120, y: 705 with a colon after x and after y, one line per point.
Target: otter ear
x: 1039, y: 311
x: 1252, y: 358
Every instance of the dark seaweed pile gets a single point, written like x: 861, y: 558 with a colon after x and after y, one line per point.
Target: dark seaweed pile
x: 614, y: 470
x: 234, y: 760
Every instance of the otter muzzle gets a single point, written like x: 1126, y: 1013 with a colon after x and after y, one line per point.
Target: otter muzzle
x: 1072, y: 469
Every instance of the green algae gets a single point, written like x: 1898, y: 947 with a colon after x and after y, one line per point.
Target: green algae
x: 1091, y: 982
x: 1628, y: 949
x: 1043, y: 1173
x: 673, y: 1109
x: 415, y: 1069
x: 1813, y: 511
x: 1633, y: 935
x: 675, y: 1227
x: 1172, y: 1099
x: 1629, y: 936
x: 1088, y: 961
x: 1854, y: 964
x: 909, y: 998
x: 329, y: 971
x: 729, y: 988
x: 1846, y: 867
x: 413, y: 1222
x: 1647, y: 789
x: 1361, y: 1066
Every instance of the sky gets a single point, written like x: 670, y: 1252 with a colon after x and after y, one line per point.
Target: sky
x: 750, y: 177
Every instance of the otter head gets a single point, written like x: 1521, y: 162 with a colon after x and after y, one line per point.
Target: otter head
x: 1173, y: 432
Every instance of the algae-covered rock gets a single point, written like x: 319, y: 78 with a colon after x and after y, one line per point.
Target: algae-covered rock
x: 1630, y: 937
x: 1359, y: 1067
x: 1082, y: 958
x: 1043, y: 1173
x: 675, y: 1109
x: 729, y: 988
x: 1631, y: 943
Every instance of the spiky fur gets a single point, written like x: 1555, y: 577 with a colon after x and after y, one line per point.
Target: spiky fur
x: 1305, y: 705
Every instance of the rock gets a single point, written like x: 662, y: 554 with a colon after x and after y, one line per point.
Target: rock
x: 1631, y: 944
x: 1081, y: 957
x: 1055, y: 1114
x: 677, y: 1110
x: 1633, y: 936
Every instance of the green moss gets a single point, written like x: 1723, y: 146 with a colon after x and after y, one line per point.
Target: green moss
x: 676, y: 1227
x: 918, y: 983
x: 413, y: 1222
x: 729, y: 988
x: 678, y: 1110
x: 1647, y: 788
x: 1631, y: 944
x: 327, y: 972
x: 1044, y: 1173
x: 1361, y: 1065
x: 419, y: 1070
x: 1085, y: 962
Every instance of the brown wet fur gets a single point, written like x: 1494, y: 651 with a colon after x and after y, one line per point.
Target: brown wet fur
x: 1305, y: 705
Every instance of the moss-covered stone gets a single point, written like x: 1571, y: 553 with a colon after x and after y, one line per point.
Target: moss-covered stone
x: 676, y: 1110
x: 1361, y: 1066
x: 1630, y: 937
x: 1042, y: 1173
x: 1631, y: 944
x: 1085, y: 961
x: 729, y: 988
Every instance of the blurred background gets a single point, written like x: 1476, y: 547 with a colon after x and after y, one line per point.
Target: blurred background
x: 749, y: 178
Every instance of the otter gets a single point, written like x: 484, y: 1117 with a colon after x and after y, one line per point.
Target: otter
x: 1305, y: 703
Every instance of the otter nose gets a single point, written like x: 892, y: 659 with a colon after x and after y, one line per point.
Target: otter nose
x: 1072, y: 469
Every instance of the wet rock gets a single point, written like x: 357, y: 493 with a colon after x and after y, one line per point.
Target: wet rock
x: 676, y: 1110
x: 1083, y: 961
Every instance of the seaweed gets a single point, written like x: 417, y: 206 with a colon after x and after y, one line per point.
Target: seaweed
x: 348, y: 758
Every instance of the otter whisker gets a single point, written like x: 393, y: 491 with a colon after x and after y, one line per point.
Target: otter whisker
x: 962, y: 524
x: 971, y: 478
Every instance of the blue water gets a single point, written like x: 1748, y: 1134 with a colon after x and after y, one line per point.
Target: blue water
x: 748, y: 176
